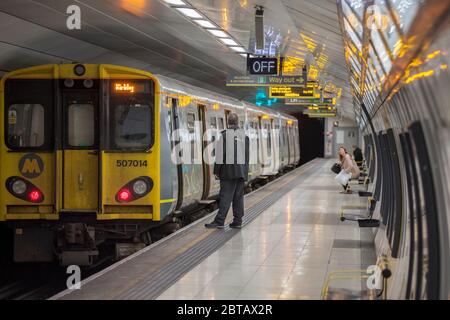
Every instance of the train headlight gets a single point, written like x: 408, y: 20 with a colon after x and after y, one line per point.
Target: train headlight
x: 140, y: 187
x: 19, y: 187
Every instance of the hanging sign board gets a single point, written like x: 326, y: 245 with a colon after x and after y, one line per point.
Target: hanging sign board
x: 265, y: 81
x: 262, y: 66
x: 309, y: 101
x: 285, y: 92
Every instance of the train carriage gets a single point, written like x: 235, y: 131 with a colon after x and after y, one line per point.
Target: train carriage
x: 100, y: 156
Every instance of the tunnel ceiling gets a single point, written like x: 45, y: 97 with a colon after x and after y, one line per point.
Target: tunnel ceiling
x: 151, y: 35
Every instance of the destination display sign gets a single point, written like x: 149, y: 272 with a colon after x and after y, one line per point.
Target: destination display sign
x: 285, y: 92
x: 265, y: 81
x: 263, y: 66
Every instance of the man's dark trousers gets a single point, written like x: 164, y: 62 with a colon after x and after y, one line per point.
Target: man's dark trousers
x: 231, y: 190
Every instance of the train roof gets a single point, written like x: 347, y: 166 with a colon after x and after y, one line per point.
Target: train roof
x: 213, y: 97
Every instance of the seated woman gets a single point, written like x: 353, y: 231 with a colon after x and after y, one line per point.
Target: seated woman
x: 349, y: 166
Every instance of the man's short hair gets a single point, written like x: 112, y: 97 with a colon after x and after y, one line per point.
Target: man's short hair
x: 232, y: 119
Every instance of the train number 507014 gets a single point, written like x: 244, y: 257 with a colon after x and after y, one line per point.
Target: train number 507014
x: 131, y: 163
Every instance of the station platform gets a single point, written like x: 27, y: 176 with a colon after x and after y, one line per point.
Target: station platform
x: 292, y: 240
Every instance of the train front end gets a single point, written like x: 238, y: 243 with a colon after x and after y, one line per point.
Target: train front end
x: 80, y: 161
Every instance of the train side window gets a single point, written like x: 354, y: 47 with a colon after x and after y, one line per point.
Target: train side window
x: 221, y: 125
x: 81, y: 125
x: 26, y: 125
x: 191, y: 122
x: 213, y: 122
x: 269, y: 139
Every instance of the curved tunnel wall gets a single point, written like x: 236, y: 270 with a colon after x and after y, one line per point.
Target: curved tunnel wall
x: 413, y: 133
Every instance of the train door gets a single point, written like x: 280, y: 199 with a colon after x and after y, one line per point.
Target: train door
x: 227, y: 112
x: 212, y: 135
x: 80, y: 150
x: 275, y: 127
x: 192, y: 167
x: 207, y: 168
x: 266, y: 146
x: 175, y: 140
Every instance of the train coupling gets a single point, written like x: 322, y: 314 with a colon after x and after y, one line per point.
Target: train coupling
x: 76, y: 244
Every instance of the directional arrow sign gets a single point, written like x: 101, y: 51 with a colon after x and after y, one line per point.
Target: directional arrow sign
x: 265, y: 81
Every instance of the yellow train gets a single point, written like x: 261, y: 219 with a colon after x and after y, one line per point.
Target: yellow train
x: 87, y: 159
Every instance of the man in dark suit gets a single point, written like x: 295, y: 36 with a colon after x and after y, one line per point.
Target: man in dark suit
x: 231, y: 167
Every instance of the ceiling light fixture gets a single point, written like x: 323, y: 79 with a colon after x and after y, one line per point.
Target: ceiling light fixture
x: 229, y: 42
x: 218, y: 33
x: 238, y: 49
x: 191, y: 13
x: 175, y: 2
x: 185, y: 9
x: 205, y: 24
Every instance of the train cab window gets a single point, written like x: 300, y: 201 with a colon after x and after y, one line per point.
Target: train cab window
x: 81, y: 125
x: 26, y: 125
x: 132, y: 126
x: 130, y: 115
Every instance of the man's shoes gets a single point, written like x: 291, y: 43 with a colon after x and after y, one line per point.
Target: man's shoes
x: 236, y: 225
x: 214, y: 225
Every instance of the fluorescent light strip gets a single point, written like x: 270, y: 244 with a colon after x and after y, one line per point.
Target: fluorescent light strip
x: 191, y: 13
x: 238, y: 49
x: 205, y: 24
x: 175, y: 2
x: 218, y: 33
x: 229, y: 42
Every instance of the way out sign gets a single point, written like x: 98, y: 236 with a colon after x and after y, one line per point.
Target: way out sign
x: 263, y: 66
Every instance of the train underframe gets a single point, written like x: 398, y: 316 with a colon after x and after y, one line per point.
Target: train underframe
x: 80, y: 239
x: 83, y: 240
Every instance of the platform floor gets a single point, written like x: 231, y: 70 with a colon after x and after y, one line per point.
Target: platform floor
x: 285, y: 252
x: 288, y: 251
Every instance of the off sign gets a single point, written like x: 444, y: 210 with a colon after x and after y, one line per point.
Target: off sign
x: 263, y: 66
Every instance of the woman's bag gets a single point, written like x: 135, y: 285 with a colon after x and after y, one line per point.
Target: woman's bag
x: 343, y: 177
x: 336, y: 168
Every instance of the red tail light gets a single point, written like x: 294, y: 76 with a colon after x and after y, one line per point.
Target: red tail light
x: 35, y: 196
x: 135, y: 189
x: 124, y: 195
x: 24, y: 189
